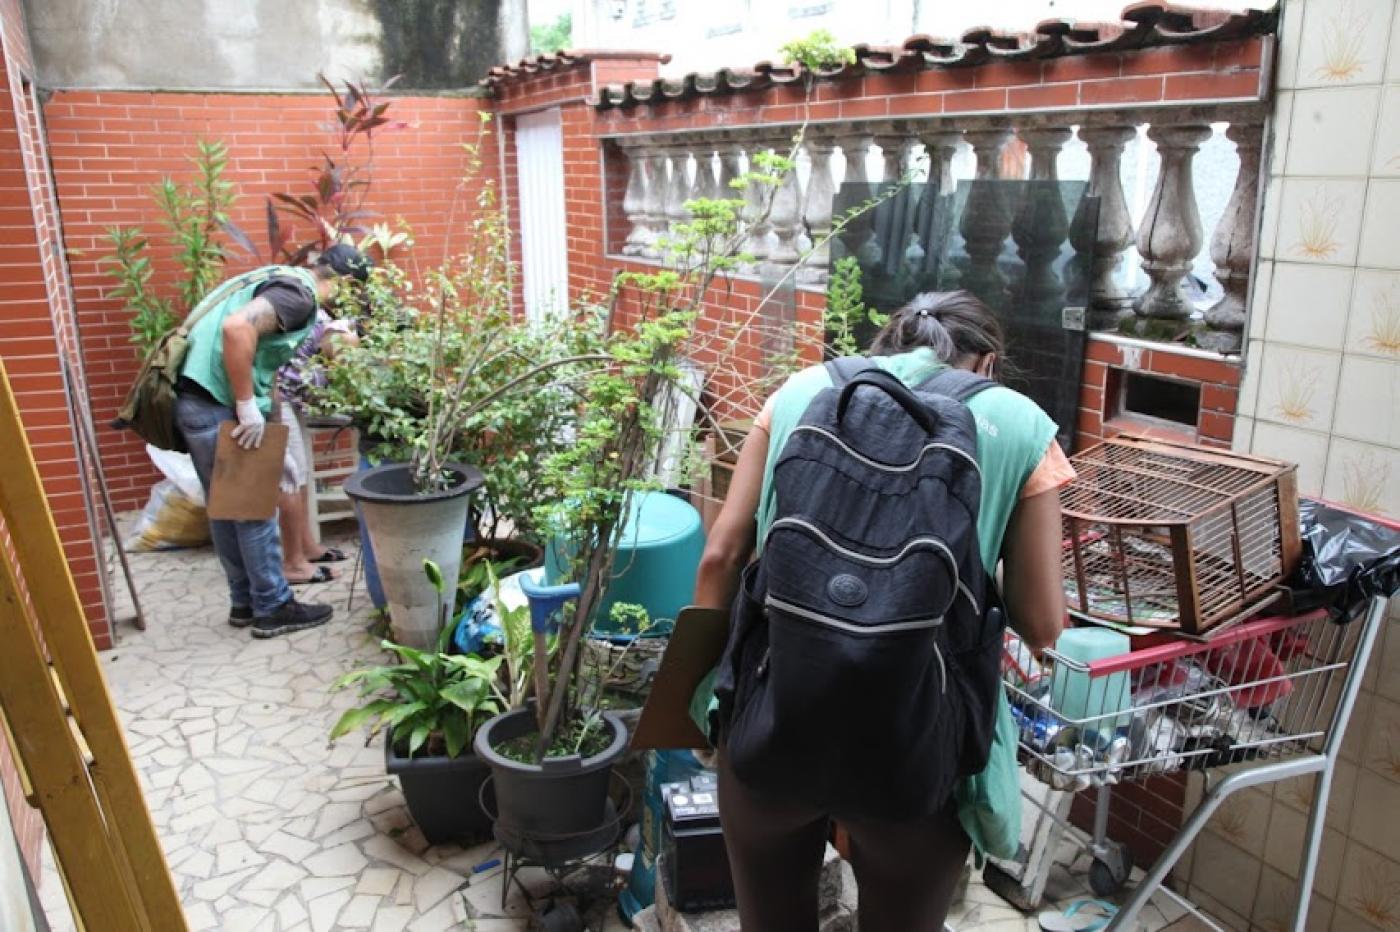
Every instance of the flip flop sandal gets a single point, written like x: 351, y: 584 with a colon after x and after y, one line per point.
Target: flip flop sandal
x: 322, y: 574
x: 332, y: 555
x: 1075, y: 919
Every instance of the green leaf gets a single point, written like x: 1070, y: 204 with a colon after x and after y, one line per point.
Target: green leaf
x: 351, y: 720
x: 417, y: 739
x: 456, y: 731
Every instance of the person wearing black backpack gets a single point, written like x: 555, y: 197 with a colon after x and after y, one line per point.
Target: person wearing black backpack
x: 861, y: 680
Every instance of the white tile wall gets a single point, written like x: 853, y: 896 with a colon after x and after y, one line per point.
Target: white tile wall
x: 1380, y: 248
x: 1320, y: 220
x: 1368, y: 401
x: 1385, y: 159
x: 1259, y: 297
x: 1365, y: 476
x: 1297, y: 387
x: 1309, y: 305
x: 1331, y: 131
x: 1305, y: 447
x: 1373, y: 326
x: 1343, y: 42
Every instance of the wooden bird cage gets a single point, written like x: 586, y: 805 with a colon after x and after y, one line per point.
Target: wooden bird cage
x: 1168, y: 535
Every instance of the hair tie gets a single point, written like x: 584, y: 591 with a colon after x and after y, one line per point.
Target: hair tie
x: 922, y: 312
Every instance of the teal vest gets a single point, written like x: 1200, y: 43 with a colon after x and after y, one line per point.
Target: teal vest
x: 204, y: 363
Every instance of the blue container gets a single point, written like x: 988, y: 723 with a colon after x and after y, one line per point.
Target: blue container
x: 657, y: 556
x: 662, y: 767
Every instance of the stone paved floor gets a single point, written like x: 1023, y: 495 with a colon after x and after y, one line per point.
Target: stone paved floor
x: 265, y: 826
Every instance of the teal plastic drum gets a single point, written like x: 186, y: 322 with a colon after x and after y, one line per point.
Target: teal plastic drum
x: 1095, y: 701
x: 662, y: 541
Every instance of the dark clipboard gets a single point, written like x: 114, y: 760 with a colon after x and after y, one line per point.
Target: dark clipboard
x: 696, y: 645
x: 245, y: 484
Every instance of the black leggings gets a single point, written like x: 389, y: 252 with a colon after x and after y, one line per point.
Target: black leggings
x: 906, y: 871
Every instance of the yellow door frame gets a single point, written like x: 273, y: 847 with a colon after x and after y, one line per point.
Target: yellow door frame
x: 64, y: 729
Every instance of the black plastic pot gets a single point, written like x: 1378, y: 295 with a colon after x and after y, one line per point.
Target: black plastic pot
x: 443, y: 793
x: 562, y: 798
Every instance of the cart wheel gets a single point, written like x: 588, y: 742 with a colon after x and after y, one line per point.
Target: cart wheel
x: 1108, y: 873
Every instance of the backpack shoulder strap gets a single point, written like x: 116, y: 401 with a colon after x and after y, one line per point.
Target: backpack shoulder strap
x: 959, y: 384
x: 216, y: 297
x: 845, y: 368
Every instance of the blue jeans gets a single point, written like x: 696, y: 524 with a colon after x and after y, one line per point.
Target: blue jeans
x: 251, y: 551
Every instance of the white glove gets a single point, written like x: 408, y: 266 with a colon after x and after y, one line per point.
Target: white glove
x: 249, y: 432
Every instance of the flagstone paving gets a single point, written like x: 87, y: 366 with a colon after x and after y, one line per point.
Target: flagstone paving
x: 266, y: 826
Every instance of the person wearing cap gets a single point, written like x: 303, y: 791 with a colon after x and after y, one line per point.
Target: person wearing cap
x: 229, y: 373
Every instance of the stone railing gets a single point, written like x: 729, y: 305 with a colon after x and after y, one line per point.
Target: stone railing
x: 666, y: 170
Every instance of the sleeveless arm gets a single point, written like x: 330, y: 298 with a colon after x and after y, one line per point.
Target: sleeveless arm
x: 731, y: 540
x: 1031, y: 574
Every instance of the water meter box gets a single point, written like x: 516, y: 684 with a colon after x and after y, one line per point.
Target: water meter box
x: 695, y: 862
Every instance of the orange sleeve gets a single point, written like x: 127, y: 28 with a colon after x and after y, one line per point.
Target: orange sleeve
x: 1053, y: 472
x: 764, y: 421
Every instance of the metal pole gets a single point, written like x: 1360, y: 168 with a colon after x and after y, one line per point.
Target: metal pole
x: 1307, y: 871
x: 90, y: 441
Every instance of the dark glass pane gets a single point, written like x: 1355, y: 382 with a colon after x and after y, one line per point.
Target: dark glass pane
x: 1023, y: 247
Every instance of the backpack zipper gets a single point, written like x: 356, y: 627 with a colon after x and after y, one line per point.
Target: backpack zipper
x: 885, y: 467
x: 830, y: 622
x: 918, y: 624
x: 932, y: 542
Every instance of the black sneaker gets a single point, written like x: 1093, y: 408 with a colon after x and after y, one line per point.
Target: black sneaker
x: 240, y: 616
x: 292, y: 616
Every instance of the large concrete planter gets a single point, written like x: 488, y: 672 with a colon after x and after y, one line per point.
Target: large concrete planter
x: 407, y: 527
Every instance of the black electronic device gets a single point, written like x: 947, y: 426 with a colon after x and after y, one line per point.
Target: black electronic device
x: 695, y: 863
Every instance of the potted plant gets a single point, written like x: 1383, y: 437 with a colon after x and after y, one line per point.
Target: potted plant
x: 551, y: 759
x: 430, y: 705
x: 443, y: 376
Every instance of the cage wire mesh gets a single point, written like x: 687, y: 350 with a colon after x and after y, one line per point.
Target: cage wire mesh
x: 1170, y: 536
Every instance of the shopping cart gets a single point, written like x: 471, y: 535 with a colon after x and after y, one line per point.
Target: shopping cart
x: 1264, y: 701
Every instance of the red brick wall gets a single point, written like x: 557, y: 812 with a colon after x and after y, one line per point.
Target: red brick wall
x: 1100, y: 408
x: 110, y: 147
x: 36, y: 333
x: 592, y: 164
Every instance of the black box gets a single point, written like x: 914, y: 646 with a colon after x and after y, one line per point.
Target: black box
x: 696, y: 862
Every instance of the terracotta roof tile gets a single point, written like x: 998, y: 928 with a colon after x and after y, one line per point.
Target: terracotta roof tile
x: 1141, y: 25
x: 560, y: 61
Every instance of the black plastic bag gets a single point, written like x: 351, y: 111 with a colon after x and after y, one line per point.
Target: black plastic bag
x: 1347, y: 558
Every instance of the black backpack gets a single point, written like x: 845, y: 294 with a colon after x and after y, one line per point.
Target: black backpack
x: 863, y: 663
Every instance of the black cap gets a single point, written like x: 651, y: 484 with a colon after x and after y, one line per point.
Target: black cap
x: 345, y: 259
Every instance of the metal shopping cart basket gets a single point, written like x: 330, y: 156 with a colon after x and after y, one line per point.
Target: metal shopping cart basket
x: 1268, y: 699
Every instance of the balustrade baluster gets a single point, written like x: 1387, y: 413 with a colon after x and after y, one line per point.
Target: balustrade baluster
x: 1170, y: 236
x: 986, y: 218
x: 933, y: 219
x: 1232, y: 246
x: 1109, y: 302
x: 786, y: 218
x: 1040, y: 226
x: 679, y: 188
x: 816, y: 213
x: 654, y: 210
x: 756, y: 213
x: 634, y: 202
x: 858, y: 238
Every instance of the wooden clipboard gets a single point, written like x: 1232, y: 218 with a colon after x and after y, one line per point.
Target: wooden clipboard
x: 245, y: 483
x: 696, y: 645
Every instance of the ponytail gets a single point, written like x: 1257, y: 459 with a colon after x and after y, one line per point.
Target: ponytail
x: 954, y: 324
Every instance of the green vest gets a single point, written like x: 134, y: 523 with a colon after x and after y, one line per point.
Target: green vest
x: 204, y: 363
